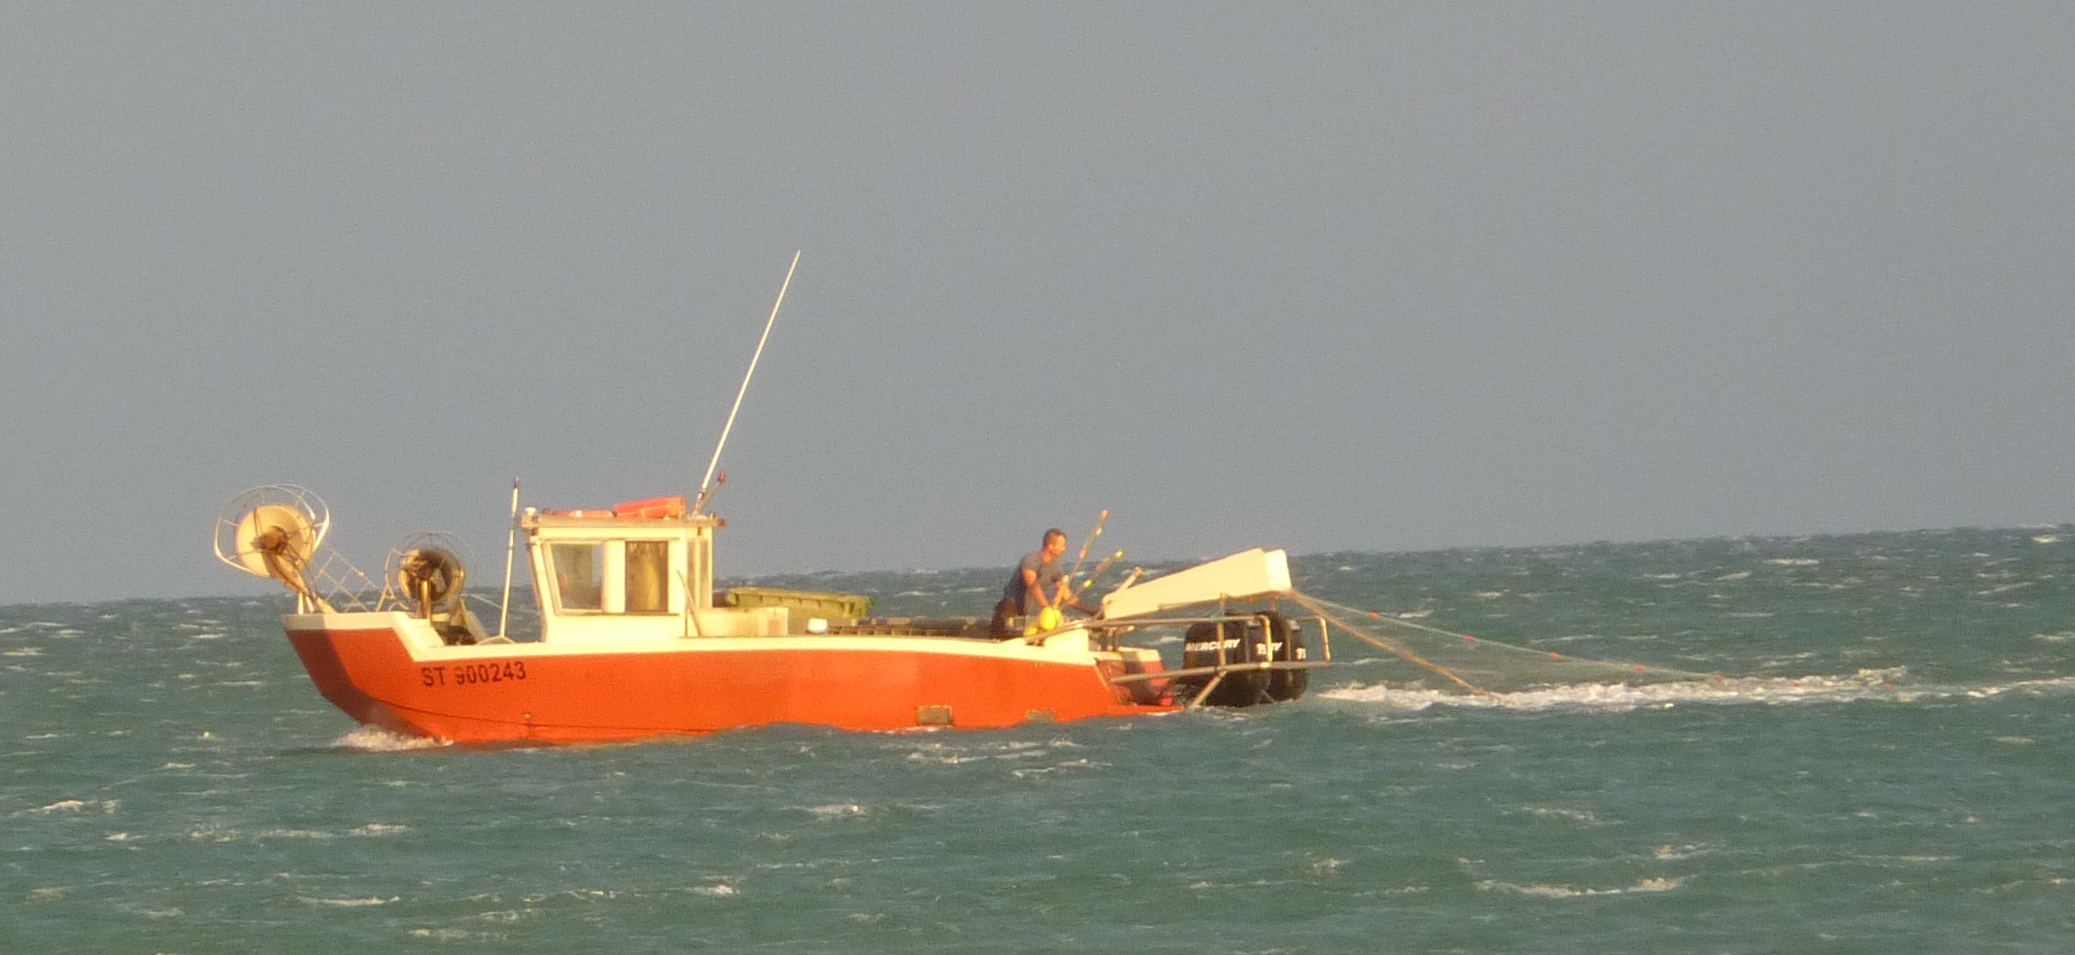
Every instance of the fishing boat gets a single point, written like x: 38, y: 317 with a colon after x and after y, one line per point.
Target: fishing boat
x: 634, y: 643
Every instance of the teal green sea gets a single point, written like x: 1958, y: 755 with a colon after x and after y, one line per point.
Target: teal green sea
x: 1885, y: 765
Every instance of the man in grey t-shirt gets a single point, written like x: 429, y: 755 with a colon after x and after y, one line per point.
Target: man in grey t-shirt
x: 1036, y: 584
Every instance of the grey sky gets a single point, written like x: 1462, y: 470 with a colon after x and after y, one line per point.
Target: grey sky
x: 1369, y: 276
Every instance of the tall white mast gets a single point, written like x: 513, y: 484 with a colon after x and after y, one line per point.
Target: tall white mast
x: 706, y: 483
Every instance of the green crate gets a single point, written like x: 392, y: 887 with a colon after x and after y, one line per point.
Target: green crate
x: 803, y: 603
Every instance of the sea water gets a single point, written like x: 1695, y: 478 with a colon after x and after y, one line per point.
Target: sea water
x: 1886, y: 764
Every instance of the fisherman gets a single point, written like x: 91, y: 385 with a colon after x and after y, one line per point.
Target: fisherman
x: 1038, y: 584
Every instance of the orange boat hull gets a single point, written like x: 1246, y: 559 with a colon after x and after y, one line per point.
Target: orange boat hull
x: 536, y: 693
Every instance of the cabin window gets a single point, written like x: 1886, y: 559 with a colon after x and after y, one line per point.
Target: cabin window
x: 579, y: 575
x: 648, y: 576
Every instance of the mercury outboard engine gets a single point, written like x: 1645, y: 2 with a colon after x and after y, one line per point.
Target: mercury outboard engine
x: 1265, y: 636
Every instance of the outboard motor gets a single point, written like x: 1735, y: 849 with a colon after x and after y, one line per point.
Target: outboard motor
x: 1265, y: 636
x: 1287, y: 685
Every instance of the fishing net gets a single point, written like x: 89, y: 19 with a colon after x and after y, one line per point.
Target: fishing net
x: 1460, y: 663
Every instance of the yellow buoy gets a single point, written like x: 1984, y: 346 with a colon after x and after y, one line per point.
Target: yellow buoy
x: 1047, y: 619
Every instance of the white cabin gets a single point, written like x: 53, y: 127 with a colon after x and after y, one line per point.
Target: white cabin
x: 637, y: 571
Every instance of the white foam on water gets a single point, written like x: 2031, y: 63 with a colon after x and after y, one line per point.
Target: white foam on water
x: 940, y: 752
x: 1673, y: 853
x: 1888, y: 685
x: 1066, y: 766
x: 839, y: 810
x: 346, y: 903
x: 374, y: 739
x: 104, y: 806
x: 1569, y: 892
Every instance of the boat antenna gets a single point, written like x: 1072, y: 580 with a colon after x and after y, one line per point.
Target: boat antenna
x: 706, y: 487
x: 511, y: 538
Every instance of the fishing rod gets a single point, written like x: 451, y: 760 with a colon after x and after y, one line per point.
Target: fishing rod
x: 1088, y: 542
x: 1096, y: 574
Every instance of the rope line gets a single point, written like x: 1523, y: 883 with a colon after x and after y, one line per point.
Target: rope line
x: 1655, y: 673
x: 1389, y: 646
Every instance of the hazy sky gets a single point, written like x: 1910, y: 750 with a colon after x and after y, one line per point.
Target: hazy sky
x: 1368, y: 276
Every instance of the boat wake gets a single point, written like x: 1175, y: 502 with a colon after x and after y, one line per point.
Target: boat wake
x: 371, y: 739
x: 1889, y: 685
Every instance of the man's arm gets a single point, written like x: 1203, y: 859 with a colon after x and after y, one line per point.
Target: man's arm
x: 1030, y: 586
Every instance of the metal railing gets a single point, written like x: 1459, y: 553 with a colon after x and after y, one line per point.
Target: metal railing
x: 1224, y: 667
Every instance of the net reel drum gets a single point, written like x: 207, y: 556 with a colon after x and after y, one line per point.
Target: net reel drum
x: 427, y: 574
x: 274, y: 532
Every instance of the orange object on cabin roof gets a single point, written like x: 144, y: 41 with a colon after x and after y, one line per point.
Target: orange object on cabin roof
x: 654, y: 509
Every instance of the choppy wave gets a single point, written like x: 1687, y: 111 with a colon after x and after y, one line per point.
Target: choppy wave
x: 101, y: 806
x: 1571, y: 892
x: 347, y: 903
x: 1889, y: 685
